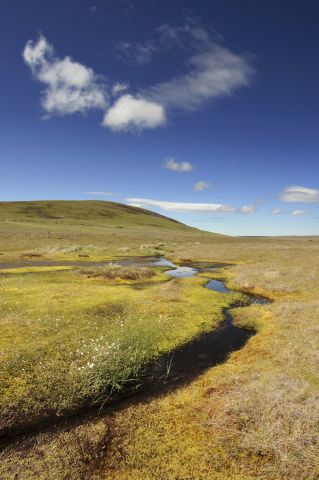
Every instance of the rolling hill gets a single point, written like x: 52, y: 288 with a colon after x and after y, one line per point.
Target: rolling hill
x: 55, y: 228
x: 88, y: 211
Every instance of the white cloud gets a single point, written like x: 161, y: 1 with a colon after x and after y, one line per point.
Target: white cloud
x: 34, y: 53
x: 201, y: 185
x: 171, y: 164
x: 130, y: 112
x: 278, y: 211
x: 295, y: 213
x: 298, y: 212
x: 247, y: 209
x: 212, y: 73
x: 98, y: 193
x: 69, y: 86
x: 299, y: 194
x: 119, y: 88
x: 211, y: 70
x: 190, y: 207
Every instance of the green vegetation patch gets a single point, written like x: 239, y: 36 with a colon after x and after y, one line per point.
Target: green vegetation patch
x: 67, y: 338
x: 44, y: 269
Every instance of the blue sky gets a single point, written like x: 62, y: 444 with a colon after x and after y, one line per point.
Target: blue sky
x: 205, y: 111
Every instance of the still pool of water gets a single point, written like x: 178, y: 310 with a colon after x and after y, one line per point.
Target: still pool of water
x: 182, y: 272
x: 217, y: 286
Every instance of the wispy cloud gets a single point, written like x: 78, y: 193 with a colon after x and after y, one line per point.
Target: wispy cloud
x: 295, y: 213
x: 213, y: 73
x: 69, y: 86
x: 298, y: 213
x: 135, y: 113
x: 172, y: 164
x: 299, y: 194
x: 119, y: 88
x: 278, y: 211
x: 210, y: 71
x: 190, y: 207
x: 135, y: 53
x: 201, y: 185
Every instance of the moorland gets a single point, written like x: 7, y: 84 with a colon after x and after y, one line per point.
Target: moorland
x: 80, y: 322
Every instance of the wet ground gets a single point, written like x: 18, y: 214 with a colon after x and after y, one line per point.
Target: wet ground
x: 175, y: 368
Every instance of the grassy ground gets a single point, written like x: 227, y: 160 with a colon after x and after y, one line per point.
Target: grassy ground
x: 68, y: 336
x: 254, y: 417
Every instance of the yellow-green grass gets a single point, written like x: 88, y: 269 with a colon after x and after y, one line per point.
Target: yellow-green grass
x: 67, y: 338
x: 256, y: 417
x: 86, y: 229
x: 83, y: 212
x: 42, y: 269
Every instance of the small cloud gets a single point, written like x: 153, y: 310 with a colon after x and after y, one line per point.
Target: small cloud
x: 298, y: 212
x: 201, y: 185
x: 171, y: 164
x: 278, y: 211
x: 299, y: 194
x: 102, y: 194
x: 69, y: 86
x: 295, y: 213
x: 190, y: 207
x: 119, y: 88
x: 247, y: 209
x: 137, y: 113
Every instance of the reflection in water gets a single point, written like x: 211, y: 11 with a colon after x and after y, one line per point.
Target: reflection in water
x: 162, y: 262
x: 217, y: 286
x: 182, y: 272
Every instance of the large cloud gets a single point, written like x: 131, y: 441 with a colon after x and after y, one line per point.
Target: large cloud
x: 209, y: 71
x: 69, y: 86
x: 130, y: 112
x: 190, y: 207
x: 212, y: 73
x: 298, y: 194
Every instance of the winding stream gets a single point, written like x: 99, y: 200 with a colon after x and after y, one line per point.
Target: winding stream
x: 185, y: 363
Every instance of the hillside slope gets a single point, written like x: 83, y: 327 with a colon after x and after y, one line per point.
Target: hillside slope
x: 85, y: 228
x: 95, y: 212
